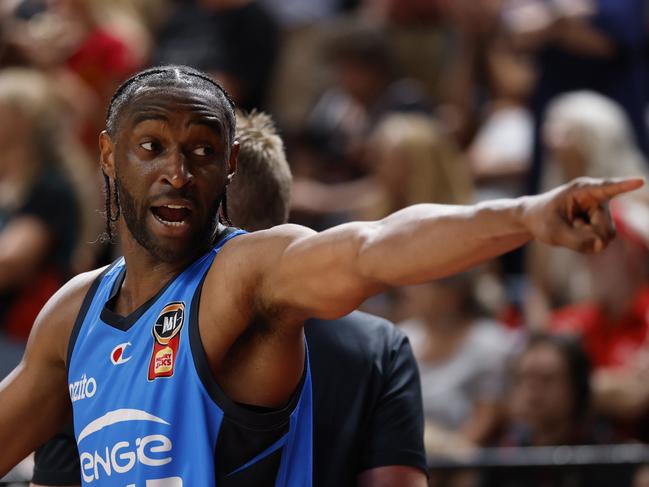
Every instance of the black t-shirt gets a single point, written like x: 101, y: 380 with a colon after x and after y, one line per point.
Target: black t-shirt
x: 366, y: 404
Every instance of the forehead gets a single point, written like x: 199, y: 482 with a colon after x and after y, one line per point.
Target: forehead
x: 543, y: 357
x: 177, y: 101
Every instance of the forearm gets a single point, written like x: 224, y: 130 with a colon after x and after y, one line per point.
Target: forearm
x: 426, y: 242
x: 27, y: 417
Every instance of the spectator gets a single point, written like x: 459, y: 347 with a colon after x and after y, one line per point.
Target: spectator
x: 597, y: 45
x: 367, y: 87
x: 614, y: 324
x: 410, y: 159
x: 40, y: 215
x: 87, y: 47
x: 462, y: 356
x: 585, y: 134
x: 550, y: 404
x: 550, y: 397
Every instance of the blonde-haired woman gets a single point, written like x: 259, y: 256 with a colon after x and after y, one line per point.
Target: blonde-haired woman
x: 585, y: 134
x: 41, y: 214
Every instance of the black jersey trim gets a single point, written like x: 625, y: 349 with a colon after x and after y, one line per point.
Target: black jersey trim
x: 81, y: 316
x: 124, y: 323
x: 242, y: 414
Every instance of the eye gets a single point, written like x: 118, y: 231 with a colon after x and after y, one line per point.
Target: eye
x: 149, y: 145
x: 202, y: 150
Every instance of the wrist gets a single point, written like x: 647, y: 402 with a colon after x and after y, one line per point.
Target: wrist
x: 522, y: 215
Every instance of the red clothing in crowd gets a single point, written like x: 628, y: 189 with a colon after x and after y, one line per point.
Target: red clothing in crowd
x: 610, y: 343
x: 101, y: 58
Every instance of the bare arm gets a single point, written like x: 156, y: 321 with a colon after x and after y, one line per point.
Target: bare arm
x: 329, y: 274
x: 34, y: 400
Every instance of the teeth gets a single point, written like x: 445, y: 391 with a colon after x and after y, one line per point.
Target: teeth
x: 170, y: 224
x: 175, y: 207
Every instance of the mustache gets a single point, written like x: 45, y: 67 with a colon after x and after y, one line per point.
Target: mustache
x: 188, y: 194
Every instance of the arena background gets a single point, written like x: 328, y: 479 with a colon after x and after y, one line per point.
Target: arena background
x: 534, y: 367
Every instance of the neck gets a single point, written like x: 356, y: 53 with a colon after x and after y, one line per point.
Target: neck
x: 145, y: 274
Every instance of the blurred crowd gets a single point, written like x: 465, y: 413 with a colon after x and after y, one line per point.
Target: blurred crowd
x: 382, y: 104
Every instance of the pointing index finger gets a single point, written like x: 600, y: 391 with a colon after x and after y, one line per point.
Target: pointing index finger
x: 609, y: 188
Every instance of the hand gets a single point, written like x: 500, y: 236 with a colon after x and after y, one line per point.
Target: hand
x: 576, y: 214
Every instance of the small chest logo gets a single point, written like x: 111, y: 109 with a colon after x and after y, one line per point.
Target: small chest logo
x: 117, y: 356
x: 166, y: 340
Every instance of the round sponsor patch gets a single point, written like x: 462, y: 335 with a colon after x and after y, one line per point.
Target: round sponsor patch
x: 169, y: 322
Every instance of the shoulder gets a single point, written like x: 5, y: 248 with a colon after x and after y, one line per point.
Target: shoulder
x: 55, y: 321
x: 256, y: 252
x: 275, y: 238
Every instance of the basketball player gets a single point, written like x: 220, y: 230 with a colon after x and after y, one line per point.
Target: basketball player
x: 185, y: 361
x: 370, y: 430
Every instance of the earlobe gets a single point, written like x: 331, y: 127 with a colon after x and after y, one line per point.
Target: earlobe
x: 106, y: 154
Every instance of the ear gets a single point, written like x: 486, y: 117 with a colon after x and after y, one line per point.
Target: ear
x: 106, y: 154
x: 232, y: 161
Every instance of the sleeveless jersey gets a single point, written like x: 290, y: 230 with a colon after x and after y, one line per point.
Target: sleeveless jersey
x: 148, y: 412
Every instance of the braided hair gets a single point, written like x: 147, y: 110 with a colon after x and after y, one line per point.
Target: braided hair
x: 161, y: 76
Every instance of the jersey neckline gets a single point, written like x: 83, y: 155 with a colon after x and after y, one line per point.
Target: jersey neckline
x: 124, y: 323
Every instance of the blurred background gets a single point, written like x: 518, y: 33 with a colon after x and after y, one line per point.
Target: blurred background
x: 384, y: 104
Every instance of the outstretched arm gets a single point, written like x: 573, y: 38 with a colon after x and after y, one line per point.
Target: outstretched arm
x: 303, y: 273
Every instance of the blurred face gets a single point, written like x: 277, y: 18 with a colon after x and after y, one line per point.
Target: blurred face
x: 359, y: 81
x: 565, y: 149
x: 542, y: 395
x: 171, y: 161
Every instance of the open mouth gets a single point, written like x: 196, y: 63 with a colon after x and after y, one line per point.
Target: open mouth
x: 171, y: 215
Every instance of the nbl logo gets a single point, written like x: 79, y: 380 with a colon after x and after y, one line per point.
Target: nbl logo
x: 166, y: 340
x: 169, y: 322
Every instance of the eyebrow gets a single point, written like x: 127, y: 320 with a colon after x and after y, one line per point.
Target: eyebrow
x: 210, y: 122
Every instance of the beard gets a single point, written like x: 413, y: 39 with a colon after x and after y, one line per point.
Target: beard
x: 135, y: 216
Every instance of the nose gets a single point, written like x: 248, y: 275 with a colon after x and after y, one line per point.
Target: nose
x: 177, y: 172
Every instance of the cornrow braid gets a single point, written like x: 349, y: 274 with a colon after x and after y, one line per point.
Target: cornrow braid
x: 110, y: 218
x: 168, y: 73
x: 224, y: 218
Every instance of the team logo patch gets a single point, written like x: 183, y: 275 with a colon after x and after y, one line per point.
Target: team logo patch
x: 117, y: 355
x: 166, y: 340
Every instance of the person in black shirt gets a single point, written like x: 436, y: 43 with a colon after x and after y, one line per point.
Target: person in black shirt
x: 368, y: 419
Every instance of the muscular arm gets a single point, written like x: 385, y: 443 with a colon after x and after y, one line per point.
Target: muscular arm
x: 327, y: 275
x: 34, y: 398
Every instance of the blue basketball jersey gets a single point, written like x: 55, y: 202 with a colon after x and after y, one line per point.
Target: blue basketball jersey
x: 147, y: 411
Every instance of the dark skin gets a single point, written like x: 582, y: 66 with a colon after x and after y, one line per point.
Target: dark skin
x: 262, y: 286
